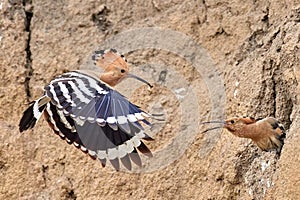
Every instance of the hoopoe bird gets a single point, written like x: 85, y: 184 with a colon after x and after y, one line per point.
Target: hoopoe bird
x: 267, y: 133
x: 83, y: 109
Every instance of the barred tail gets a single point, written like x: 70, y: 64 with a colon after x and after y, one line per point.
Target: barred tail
x: 33, y: 113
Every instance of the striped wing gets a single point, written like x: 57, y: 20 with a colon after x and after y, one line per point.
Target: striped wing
x: 96, y: 118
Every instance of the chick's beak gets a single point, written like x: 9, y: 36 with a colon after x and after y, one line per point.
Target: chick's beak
x: 223, y: 124
x: 214, y: 122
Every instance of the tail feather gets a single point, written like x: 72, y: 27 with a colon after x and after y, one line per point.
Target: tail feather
x: 28, y: 121
x: 33, y: 113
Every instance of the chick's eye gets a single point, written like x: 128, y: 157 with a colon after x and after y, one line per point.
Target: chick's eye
x: 122, y: 70
x: 232, y: 121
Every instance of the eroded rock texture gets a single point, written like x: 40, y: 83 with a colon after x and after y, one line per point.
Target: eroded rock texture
x: 254, y: 46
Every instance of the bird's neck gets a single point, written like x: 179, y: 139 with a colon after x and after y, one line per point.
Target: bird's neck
x: 109, y: 79
x: 248, y: 131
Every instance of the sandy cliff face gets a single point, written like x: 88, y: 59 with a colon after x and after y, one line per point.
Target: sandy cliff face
x: 252, y: 47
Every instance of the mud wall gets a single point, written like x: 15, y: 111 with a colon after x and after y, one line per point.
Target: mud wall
x: 253, y: 47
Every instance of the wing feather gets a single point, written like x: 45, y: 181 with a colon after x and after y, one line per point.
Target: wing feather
x: 105, y: 123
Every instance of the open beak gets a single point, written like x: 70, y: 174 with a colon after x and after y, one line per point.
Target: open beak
x: 214, y: 122
x: 140, y: 79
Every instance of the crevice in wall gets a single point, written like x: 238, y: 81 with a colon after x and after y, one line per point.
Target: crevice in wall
x: 44, y: 174
x: 28, y: 65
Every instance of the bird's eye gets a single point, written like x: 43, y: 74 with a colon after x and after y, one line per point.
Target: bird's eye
x: 232, y: 121
x: 122, y: 70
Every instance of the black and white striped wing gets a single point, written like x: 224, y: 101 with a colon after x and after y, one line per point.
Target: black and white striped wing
x: 97, y: 118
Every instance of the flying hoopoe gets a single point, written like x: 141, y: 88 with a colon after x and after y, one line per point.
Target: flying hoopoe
x: 267, y: 133
x: 82, y: 108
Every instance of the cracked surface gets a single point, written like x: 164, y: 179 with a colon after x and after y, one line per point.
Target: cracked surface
x: 255, y: 46
x: 29, y: 70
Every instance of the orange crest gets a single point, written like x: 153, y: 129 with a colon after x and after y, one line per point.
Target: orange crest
x: 109, y: 59
x: 115, y: 67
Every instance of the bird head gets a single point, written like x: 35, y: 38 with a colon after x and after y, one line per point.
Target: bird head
x: 115, y: 67
x: 233, y: 124
x: 236, y: 124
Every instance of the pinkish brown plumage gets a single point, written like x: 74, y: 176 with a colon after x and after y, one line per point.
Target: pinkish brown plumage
x: 267, y: 133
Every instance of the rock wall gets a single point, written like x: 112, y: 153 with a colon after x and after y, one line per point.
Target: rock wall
x: 253, y: 47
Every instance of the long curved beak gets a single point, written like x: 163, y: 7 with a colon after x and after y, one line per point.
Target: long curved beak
x: 140, y: 79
